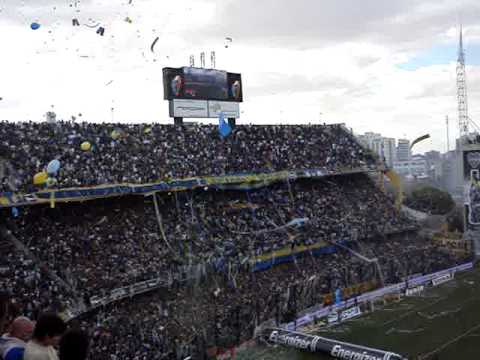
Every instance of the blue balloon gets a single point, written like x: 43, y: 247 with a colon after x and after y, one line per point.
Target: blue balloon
x: 35, y: 26
x: 53, y: 166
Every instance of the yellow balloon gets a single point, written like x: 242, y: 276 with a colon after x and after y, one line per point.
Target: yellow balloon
x: 115, y: 134
x: 86, y: 146
x: 40, y: 178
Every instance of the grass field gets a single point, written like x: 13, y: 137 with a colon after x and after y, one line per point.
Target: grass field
x: 440, y: 323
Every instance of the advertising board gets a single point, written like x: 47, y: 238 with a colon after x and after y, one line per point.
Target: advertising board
x: 414, y: 290
x: 189, y: 108
x: 471, y: 172
x: 442, y: 279
x: 351, y: 313
x: 229, y: 109
x: 471, y: 161
x: 318, y: 344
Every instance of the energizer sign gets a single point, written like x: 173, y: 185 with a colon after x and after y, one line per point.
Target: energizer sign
x: 320, y: 344
x: 295, y: 341
x: 348, y: 354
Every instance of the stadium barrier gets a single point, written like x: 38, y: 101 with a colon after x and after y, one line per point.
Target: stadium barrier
x: 321, y: 314
x: 116, y: 295
x: 286, y: 334
x: 374, y: 295
x: 230, y: 182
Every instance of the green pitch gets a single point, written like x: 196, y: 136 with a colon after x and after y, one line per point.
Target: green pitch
x: 440, y: 323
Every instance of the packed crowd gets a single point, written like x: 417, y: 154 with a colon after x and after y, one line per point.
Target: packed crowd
x: 404, y: 256
x: 206, y: 242
x: 20, y: 274
x: 97, y: 246
x: 224, y: 310
x: 120, y: 153
x: 102, y: 245
x: 221, y: 312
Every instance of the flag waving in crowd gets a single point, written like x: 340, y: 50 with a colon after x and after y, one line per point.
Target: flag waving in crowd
x: 223, y: 127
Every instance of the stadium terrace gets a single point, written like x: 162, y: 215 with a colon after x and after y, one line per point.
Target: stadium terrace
x: 202, y: 247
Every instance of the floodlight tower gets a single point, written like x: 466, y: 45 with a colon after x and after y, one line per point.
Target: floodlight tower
x: 462, y: 90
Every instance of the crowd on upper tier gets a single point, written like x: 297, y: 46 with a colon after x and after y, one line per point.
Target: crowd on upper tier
x: 102, y: 245
x: 142, y: 153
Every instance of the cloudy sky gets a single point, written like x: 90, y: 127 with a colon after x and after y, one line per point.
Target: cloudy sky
x: 376, y: 65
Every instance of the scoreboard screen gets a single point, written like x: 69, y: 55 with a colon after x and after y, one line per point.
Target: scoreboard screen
x: 201, y: 84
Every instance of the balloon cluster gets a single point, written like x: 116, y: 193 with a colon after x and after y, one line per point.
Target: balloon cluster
x: 47, y: 176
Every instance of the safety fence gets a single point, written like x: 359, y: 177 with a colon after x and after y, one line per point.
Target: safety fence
x: 434, y: 279
x: 340, y: 312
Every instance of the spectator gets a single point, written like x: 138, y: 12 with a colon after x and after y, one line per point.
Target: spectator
x: 144, y: 153
x: 12, y: 344
x: 203, y: 244
x: 48, y: 331
x: 74, y: 345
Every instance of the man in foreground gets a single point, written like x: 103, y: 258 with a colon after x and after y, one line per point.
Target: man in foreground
x: 13, y: 343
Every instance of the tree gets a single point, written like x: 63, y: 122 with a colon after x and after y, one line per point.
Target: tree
x: 430, y: 200
x: 455, y: 220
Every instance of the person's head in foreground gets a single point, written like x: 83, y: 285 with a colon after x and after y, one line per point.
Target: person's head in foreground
x: 22, y: 328
x: 49, y: 330
x: 12, y: 344
x: 47, y: 334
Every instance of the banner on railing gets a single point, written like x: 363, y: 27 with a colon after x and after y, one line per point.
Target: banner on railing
x: 234, y: 182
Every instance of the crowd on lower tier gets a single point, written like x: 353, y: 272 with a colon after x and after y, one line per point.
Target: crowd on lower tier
x: 96, y: 246
x: 102, y: 245
x: 21, y: 275
x: 145, y: 153
x: 223, y: 311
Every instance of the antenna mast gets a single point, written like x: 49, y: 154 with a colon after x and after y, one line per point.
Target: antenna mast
x: 462, y: 89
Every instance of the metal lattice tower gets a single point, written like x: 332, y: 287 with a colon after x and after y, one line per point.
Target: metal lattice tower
x: 462, y: 90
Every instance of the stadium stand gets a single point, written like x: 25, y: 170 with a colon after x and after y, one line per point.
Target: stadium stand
x: 228, y: 259
x: 107, y: 244
x: 148, y: 153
